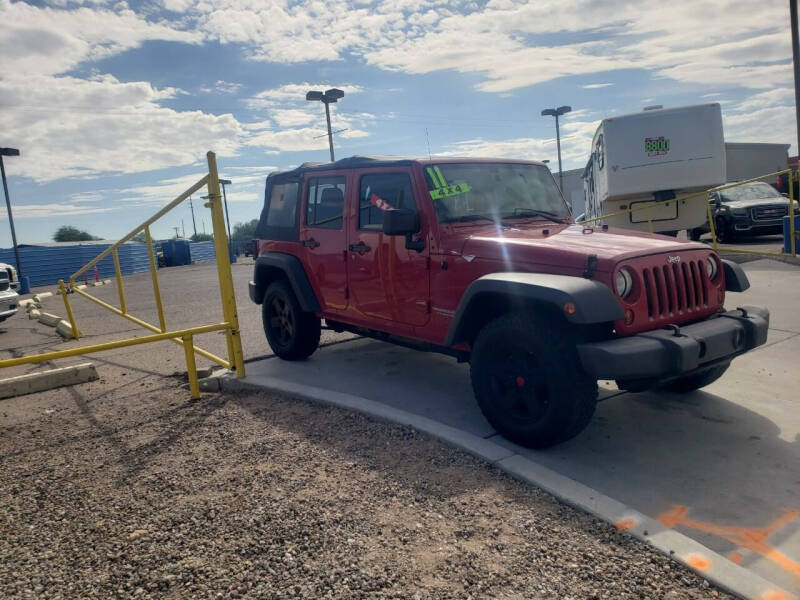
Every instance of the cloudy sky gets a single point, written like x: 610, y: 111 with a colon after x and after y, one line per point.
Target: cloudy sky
x: 114, y: 104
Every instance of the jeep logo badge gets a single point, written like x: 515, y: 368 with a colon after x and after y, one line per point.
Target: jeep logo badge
x: 673, y: 259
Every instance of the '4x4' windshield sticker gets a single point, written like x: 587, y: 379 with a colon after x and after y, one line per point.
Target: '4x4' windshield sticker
x: 443, y: 190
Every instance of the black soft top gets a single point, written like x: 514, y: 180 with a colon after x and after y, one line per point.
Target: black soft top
x: 351, y: 162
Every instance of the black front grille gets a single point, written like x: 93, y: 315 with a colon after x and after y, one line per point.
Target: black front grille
x: 770, y: 212
x: 677, y: 288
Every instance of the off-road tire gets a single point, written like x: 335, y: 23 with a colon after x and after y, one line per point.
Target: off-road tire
x: 723, y: 232
x: 528, y: 382
x: 292, y: 333
x: 695, y: 381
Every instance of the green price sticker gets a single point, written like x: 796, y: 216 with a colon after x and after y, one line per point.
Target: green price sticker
x: 450, y: 190
x: 659, y: 145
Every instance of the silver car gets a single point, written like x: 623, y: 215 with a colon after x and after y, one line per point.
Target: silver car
x: 9, y: 299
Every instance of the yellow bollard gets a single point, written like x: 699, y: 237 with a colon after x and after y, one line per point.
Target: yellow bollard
x: 191, y: 366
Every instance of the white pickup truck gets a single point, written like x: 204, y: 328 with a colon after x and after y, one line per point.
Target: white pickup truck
x: 9, y: 299
x: 641, y: 161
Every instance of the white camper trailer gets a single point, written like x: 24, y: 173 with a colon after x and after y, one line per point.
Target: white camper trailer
x: 643, y: 160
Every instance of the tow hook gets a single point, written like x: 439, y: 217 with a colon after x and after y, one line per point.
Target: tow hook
x: 676, y: 331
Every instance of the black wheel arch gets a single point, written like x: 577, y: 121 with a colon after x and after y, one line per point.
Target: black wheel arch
x: 278, y: 265
x: 495, y: 294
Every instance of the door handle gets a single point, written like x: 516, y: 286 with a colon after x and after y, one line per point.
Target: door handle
x: 360, y: 247
x: 312, y: 243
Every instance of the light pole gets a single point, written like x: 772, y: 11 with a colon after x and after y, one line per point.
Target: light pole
x: 327, y: 97
x: 557, y: 112
x: 223, y: 183
x: 23, y: 283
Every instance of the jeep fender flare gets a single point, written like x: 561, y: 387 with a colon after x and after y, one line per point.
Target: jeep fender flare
x: 594, y: 302
x: 273, y: 265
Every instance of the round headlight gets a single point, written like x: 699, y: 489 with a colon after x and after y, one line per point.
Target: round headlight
x: 711, y: 267
x: 624, y: 282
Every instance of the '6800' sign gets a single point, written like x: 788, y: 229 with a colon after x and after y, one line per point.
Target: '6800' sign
x: 656, y: 146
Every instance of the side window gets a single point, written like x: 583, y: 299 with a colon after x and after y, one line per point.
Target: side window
x: 325, y: 202
x: 381, y: 192
x: 282, y: 205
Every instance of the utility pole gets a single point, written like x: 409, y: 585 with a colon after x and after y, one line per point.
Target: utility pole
x: 194, y: 223
x: 23, y: 283
x: 183, y: 230
x: 176, y: 228
x: 796, y: 61
x: 223, y: 183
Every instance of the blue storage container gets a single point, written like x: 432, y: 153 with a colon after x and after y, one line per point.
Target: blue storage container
x: 787, y: 248
x: 176, y: 252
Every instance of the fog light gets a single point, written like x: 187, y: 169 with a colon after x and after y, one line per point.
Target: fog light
x: 569, y: 308
x: 628, y: 317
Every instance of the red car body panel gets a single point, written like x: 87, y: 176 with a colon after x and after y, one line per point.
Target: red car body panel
x: 414, y: 294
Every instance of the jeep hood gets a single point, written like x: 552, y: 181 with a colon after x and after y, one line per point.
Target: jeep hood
x: 564, y: 246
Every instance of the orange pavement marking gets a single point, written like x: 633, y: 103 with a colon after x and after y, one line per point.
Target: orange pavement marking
x: 698, y: 561
x: 751, y: 538
x: 774, y: 595
x: 625, y: 524
x: 735, y: 557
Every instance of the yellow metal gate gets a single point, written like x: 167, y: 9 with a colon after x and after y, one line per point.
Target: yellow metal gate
x: 184, y: 337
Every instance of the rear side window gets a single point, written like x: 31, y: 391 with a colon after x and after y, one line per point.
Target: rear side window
x: 325, y: 202
x: 282, y: 205
x: 381, y: 192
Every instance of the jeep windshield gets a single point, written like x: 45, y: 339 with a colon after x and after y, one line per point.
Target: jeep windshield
x: 464, y: 192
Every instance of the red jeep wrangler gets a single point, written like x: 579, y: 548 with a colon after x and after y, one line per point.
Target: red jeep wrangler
x: 480, y: 259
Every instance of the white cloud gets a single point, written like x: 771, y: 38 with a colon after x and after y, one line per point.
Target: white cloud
x: 78, y: 127
x: 48, y: 41
x: 294, y: 93
x: 594, y: 86
x: 223, y: 87
x: 44, y: 211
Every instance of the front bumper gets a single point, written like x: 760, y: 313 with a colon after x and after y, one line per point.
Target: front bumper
x: 667, y: 353
x: 9, y: 303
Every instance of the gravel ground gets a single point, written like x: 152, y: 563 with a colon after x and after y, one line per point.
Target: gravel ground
x: 125, y: 488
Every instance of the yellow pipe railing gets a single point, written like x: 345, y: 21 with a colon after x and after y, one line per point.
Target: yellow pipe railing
x: 120, y: 289
x: 154, y: 276
x: 184, y: 337
x: 205, y: 353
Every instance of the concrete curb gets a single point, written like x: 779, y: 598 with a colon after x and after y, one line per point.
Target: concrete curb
x: 41, y: 296
x: 47, y: 380
x: 49, y: 319
x: 64, y: 329
x: 705, y: 562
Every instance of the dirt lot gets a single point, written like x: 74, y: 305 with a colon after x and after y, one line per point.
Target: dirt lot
x: 126, y: 488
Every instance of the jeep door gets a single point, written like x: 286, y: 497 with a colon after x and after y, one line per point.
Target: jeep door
x: 323, y: 235
x: 386, y: 279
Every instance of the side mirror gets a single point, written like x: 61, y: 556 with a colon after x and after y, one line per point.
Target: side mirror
x: 402, y: 221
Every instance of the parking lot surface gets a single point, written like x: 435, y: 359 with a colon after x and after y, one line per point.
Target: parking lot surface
x: 721, y: 465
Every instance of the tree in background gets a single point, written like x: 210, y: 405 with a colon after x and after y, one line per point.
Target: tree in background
x: 202, y: 237
x: 244, y: 231
x: 139, y: 237
x: 68, y: 233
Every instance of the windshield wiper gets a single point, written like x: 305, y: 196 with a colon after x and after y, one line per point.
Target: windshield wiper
x: 532, y: 212
x: 467, y: 218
